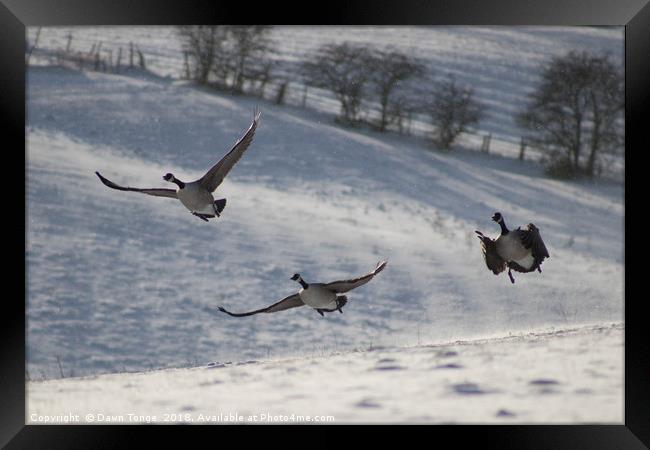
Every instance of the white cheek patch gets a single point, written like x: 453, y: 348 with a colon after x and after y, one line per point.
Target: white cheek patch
x: 526, y: 262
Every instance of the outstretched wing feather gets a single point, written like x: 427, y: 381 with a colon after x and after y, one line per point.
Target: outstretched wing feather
x: 156, y: 192
x: 214, y: 177
x: 292, y: 301
x: 342, y: 286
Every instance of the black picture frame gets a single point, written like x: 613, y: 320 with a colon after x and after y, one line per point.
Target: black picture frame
x: 634, y: 15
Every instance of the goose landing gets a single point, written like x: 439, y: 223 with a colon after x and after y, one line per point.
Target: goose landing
x: 196, y: 196
x: 521, y: 250
x: 323, y: 297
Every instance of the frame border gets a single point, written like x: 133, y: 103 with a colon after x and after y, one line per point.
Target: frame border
x: 15, y: 15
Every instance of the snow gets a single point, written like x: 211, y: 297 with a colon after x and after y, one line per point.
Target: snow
x: 119, y: 281
x: 547, y: 377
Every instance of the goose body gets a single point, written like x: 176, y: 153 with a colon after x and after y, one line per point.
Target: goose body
x: 323, y: 297
x: 521, y: 250
x: 197, y: 196
x: 197, y: 199
x: 318, y: 296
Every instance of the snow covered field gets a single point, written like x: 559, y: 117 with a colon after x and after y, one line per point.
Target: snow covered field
x: 122, y: 282
x: 551, y: 377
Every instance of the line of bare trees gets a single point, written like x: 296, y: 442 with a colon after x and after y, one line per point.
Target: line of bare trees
x: 574, y: 116
x: 397, y: 85
x: 366, y: 81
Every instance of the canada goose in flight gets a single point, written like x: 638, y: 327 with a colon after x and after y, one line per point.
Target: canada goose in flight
x: 323, y: 297
x: 520, y: 250
x: 197, y: 195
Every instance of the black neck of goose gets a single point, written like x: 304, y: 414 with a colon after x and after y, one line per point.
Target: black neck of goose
x: 504, y: 229
x: 302, y: 283
x: 178, y: 183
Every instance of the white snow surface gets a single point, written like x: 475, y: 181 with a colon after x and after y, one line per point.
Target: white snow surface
x: 551, y: 377
x: 123, y: 282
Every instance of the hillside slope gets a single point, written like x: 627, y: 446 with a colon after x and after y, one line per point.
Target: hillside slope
x: 122, y: 281
x: 501, y: 63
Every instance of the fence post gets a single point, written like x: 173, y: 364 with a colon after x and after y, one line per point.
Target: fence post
x: 186, y: 65
x: 282, y: 90
x: 29, y: 55
x: 119, y: 60
x: 131, y: 55
x: 140, y: 57
x: 304, y: 95
x: 485, y: 147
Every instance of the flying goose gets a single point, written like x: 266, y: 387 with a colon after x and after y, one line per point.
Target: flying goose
x: 197, y: 195
x: 323, y: 297
x: 520, y: 250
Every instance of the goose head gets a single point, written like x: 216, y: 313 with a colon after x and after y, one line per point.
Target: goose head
x: 498, y: 218
x: 172, y: 179
x: 298, y: 278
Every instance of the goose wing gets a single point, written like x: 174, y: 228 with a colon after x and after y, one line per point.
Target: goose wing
x: 157, y: 192
x: 492, y: 259
x: 342, y: 286
x: 292, y: 301
x: 216, y: 174
x: 536, y: 242
x: 530, y: 239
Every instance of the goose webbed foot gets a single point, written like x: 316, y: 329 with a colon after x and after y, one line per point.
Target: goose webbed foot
x: 203, y: 216
x: 341, y: 302
x: 320, y: 311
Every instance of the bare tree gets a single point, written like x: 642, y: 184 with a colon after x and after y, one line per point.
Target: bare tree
x: 391, y: 69
x: 607, y: 104
x: 249, y: 45
x: 576, y: 109
x: 344, y: 70
x: 203, y: 44
x: 259, y: 74
x: 453, y: 110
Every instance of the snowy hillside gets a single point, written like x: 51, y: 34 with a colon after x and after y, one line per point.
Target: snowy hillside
x: 123, y: 282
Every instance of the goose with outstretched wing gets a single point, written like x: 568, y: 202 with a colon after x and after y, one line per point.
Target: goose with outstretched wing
x: 196, y: 196
x: 323, y: 297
